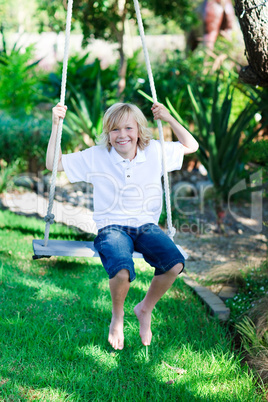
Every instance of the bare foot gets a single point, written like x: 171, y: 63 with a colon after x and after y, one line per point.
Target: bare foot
x: 116, y: 334
x: 144, y: 318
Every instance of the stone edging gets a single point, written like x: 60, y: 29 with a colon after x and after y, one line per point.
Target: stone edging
x: 213, y: 302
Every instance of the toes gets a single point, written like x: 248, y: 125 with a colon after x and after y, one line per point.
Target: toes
x: 120, y: 346
x: 146, y: 340
x: 116, y: 342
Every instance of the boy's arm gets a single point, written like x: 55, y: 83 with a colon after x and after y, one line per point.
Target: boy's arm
x: 190, y: 145
x: 58, y: 111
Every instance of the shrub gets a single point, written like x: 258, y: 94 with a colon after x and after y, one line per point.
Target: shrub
x: 254, y: 333
x: 85, y: 123
x: 24, y: 139
x: 253, y: 285
x: 222, y: 137
x: 249, y: 316
x: 82, y: 77
x: 19, y: 81
x: 7, y: 173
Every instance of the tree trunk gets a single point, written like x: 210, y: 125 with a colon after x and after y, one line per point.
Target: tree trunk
x: 122, y: 11
x: 122, y: 70
x: 253, y: 19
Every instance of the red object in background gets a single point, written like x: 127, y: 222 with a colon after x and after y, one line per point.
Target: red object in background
x: 218, y: 17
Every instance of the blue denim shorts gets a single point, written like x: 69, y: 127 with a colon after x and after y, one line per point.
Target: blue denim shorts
x: 116, y: 244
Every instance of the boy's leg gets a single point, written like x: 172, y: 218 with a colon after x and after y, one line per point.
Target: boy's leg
x: 115, y: 247
x: 119, y: 286
x: 159, y: 285
x: 160, y: 252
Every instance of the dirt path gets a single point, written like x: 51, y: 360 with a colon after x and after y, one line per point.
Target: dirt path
x: 217, y: 256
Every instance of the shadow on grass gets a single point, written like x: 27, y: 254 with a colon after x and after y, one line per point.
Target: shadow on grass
x: 35, y: 226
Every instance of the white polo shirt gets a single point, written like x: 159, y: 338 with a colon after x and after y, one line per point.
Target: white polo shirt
x: 125, y: 192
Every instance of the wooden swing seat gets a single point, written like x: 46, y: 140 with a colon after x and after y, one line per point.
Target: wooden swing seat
x: 73, y: 248
x: 67, y: 248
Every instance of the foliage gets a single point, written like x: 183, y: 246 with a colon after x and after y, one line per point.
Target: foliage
x: 82, y: 78
x: 107, y: 20
x: 222, y: 145
x: 174, y: 71
x: 136, y: 78
x: 255, y: 335
x: 87, y: 119
x: 255, y: 341
x: 104, y: 19
x: 51, y: 15
x: 54, y: 336
x: 253, y: 286
x: 258, y: 152
x: 18, y: 16
x: 250, y: 316
x: 183, y: 12
x: 7, y: 19
x: 19, y: 82
x: 25, y: 139
x: 261, y: 96
x: 6, y: 174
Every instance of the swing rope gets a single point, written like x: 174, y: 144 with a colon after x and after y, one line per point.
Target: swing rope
x: 49, y: 218
x: 171, y: 230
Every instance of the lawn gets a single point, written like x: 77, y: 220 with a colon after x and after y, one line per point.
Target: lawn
x: 54, y: 321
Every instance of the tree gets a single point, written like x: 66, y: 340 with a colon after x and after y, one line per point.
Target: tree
x: 106, y: 19
x: 51, y: 15
x: 253, y: 17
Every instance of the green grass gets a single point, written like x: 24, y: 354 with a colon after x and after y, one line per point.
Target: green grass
x: 252, y: 288
x: 54, y: 323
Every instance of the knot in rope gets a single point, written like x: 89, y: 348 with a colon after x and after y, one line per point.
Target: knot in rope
x: 171, y: 232
x: 49, y: 218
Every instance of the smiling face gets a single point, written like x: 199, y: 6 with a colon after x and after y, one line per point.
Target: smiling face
x: 124, y: 137
x: 125, y: 128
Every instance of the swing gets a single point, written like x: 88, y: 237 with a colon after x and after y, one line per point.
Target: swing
x: 66, y: 248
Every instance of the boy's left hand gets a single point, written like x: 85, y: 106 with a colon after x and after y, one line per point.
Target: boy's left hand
x: 160, y: 112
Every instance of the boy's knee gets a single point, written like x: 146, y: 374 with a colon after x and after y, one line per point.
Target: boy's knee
x: 177, y: 269
x: 122, y: 275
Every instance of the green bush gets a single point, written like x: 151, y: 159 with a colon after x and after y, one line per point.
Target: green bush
x: 249, y: 314
x: 85, y: 122
x: 25, y: 139
x: 258, y: 152
x: 82, y: 77
x: 7, y: 173
x: 171, y: 78
x: 253, y: 286
x: 222, y: 137
x: 19, y: 81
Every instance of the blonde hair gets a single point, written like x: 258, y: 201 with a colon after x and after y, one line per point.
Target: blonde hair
x: 114, y: 116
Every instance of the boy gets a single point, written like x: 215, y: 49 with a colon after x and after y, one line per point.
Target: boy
x: 125, y: 170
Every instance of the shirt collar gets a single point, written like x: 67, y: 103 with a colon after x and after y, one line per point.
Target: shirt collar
x: 116, y: 158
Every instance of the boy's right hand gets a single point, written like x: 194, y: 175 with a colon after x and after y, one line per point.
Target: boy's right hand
x: 59, y: 111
